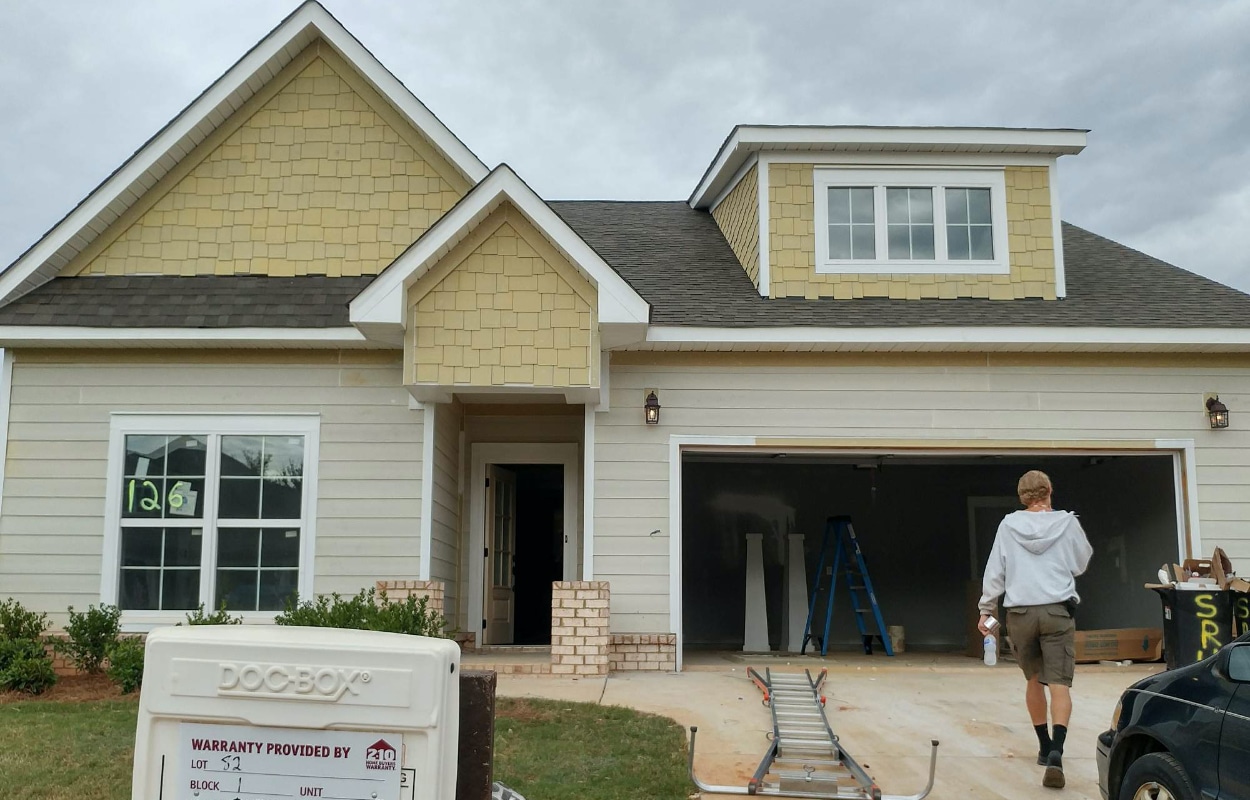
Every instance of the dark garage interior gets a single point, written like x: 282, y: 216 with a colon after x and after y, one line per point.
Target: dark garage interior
x: 918, y: 519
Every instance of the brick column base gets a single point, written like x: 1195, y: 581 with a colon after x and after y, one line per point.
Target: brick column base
x: 402, y: 590
x: 656, y: 652
x: 579, y: 627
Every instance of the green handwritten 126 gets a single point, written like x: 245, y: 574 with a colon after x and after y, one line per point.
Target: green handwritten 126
x: 149, y: 495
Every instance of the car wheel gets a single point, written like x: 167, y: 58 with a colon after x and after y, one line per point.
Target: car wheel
x: 1156, y: 776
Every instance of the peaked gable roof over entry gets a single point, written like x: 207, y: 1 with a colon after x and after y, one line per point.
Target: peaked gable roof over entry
x: 380, y: 309
x: 199, y: 120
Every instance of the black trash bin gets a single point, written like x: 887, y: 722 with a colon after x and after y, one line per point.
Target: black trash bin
x: 1241, y: 613
x: 1196, y: 624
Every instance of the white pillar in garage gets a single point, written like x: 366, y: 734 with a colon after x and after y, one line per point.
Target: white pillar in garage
x: 756, y: 638
x: 796, y: 594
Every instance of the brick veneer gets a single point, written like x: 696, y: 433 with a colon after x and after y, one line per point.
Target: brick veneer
x: 579, y: 627
x: 402, y: 590
x: 629, y: 652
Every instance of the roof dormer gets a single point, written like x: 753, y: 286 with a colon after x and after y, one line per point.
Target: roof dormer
x: 904, y: 213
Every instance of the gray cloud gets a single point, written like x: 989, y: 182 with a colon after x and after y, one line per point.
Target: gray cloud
x: 631, y: 100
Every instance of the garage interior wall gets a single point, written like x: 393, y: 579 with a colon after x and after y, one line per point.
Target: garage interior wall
x: 913, y: 523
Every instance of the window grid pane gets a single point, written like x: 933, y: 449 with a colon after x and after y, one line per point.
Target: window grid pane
x: 160, y: 569
x: 969, y: 227
x: 249, y: 577
x: 909, y: 218
x: 852, y: 228
x: 164, y: 478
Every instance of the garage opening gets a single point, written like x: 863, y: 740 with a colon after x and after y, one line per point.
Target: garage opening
x: 926, y: 525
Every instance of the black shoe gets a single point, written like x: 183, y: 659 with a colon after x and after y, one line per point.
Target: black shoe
x: 1053, y: 779
x: 1041, y: 758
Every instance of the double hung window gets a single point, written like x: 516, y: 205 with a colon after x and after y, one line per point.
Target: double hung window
x: 910, y: 221
x: 209, y: 509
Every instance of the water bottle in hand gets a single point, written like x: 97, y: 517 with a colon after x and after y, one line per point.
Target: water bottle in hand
x: 991, y: 643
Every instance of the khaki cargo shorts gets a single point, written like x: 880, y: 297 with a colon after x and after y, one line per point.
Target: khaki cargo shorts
x: 1043, y: 639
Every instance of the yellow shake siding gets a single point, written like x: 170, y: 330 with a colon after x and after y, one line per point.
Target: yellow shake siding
x: 321, y: 178
x: 792, y: 247
x: 738, y: 216
x: 503, y: 308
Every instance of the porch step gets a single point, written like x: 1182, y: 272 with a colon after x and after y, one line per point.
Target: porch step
x: 514, y: 649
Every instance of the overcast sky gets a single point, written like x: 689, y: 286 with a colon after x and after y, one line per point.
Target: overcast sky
x: 631, y: 99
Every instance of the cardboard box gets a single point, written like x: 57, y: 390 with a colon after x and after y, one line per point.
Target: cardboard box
x: 1119, y: 644
x: 1217, y: 568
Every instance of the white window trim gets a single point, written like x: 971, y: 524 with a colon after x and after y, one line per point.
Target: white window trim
x: 122, y: 424
x: 937, y: 179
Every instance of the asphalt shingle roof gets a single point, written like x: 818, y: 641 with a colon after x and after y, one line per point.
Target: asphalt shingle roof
x: 680, y: 263
x: 202, y: 301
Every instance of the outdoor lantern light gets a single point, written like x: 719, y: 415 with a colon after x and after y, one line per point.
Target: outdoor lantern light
x: 652, y: 410
x: 1217, y: 411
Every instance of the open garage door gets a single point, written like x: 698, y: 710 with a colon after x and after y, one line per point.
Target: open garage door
x: 925, y: 523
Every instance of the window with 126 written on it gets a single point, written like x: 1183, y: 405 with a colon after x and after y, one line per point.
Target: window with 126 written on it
x: 211, y: 518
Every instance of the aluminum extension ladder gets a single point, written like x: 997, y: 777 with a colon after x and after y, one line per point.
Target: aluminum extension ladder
x: 805, y: 758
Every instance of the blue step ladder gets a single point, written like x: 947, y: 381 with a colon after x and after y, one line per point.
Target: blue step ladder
x: 848, y: 561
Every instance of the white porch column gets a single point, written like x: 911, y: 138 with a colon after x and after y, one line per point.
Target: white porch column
x: 796, y: 594
x: 756, y: 637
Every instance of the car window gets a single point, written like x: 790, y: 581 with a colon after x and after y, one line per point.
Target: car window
x: 1239, y: 664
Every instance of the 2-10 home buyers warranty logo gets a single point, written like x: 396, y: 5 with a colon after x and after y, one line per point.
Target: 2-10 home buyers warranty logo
x: 380, y: 755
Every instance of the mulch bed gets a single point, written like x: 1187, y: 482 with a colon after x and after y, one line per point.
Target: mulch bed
x: 74, y: 689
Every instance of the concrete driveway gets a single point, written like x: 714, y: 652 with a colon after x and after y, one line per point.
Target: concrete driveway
x: 885, y: 714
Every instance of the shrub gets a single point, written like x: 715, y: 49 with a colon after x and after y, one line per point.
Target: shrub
x: 90, y: 635
x: 18, y: 623
x: 218, y: 617
x: 126, y: 663
x: 367, y: 611
x: 29, y: 673
x: 25, y: 666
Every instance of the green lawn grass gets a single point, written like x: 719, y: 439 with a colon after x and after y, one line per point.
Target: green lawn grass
x: 546, y: 750
x: 63, y: 750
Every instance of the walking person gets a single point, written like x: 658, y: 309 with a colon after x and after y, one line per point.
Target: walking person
x: 1036, y: 557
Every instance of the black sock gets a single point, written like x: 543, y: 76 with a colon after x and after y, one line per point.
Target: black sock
x: 1043, y: 738
x: 1061, y: 733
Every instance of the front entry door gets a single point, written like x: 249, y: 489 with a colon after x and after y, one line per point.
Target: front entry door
x: 500, y: 555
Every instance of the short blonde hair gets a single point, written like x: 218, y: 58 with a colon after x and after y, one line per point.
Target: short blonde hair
x: 1034, y: 486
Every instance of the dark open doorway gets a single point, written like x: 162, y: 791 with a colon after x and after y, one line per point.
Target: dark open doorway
x: 539, y: 550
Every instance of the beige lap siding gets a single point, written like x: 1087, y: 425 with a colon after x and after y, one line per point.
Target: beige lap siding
x: 909, y: 401
x: 445, y: 515
x: 369, y: 475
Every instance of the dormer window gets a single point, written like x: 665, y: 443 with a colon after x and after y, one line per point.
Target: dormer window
x: 903, y: 220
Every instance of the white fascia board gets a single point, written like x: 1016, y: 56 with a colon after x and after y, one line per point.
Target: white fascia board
x: 731, y: 184
x: 382, y: 301
x: 21, y: 276
x: 935, y: 335
x: 1061, y: 280
x: 51, y: 336
x: 1057, y: 140
x: 748, y: 138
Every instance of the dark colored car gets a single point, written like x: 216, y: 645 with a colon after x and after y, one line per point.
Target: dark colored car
x: 1182, y: 734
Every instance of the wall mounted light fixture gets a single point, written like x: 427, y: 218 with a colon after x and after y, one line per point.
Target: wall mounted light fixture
x: 1217, y: 412
x: 651, y: 409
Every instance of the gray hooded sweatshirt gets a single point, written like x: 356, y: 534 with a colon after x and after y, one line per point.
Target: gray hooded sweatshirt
x: 1036, y: 558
